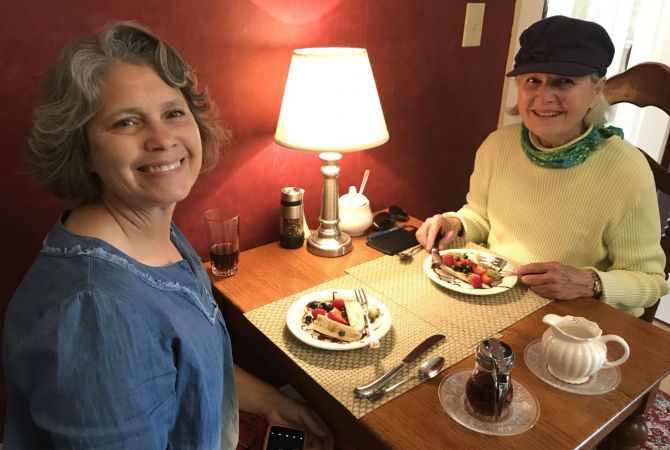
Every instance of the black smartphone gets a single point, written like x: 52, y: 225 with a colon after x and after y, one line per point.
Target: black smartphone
x: 394, y: 240
x: 284, y: 438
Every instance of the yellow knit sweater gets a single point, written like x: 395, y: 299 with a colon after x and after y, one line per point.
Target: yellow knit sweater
x: 601, y: 214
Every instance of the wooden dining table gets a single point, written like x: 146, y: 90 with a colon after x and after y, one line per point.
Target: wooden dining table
x: 416, y: 419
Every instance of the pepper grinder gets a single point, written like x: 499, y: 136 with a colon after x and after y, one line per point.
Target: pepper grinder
x: 291, y: 233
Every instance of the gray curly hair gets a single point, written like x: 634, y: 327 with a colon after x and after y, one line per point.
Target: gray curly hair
x: 58, y: 148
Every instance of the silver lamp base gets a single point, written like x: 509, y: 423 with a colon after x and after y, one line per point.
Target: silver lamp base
x: 329, y: 246
x: 328, y: 240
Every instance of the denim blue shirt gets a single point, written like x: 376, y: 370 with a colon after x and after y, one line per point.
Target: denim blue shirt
x: 103, y: 352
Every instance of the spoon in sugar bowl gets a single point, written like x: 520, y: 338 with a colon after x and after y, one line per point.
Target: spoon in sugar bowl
x: 427, y: 370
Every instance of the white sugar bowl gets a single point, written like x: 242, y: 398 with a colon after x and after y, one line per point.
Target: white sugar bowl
x: 355, y: 213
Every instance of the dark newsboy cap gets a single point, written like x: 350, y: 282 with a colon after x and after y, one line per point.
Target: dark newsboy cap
x: 564, y: 46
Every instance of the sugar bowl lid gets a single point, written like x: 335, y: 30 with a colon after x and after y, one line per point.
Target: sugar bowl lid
x: 353, y: 199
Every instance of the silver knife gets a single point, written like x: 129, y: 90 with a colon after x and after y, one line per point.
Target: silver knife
x: 435, y: 252
x: 365, y: 391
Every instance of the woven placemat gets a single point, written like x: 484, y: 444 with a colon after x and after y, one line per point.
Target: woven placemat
x: 419, y: 308
x: 465, y: 318
x: 340, y: 371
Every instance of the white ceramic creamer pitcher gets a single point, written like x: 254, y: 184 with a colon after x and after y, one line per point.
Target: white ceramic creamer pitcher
x: 574, y: 348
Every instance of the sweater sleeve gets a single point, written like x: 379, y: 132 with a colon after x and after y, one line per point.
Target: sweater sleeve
x: 93, y: 376
x: 636, y: 277
x: 474, y: 215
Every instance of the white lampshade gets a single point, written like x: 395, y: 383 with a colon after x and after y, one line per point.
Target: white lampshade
x: 330, y: 102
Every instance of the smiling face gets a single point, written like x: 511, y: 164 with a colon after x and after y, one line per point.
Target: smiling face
x: 553, y: 106
x: 144, y: 143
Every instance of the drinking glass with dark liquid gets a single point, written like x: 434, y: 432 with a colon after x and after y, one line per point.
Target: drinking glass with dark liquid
x: 224, y: 259
x: 223, y: 235
x: 489, y: 389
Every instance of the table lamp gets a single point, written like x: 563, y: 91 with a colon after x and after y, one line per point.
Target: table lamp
x: 330, y: 106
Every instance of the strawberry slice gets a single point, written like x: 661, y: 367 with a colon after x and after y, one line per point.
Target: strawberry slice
x: 487, y: 279
x: 479, y: 270
x: 338, y: 303
x: 336, y: 315
x: 475, y: 281
x: 317, y: 311
x: 448, y: 260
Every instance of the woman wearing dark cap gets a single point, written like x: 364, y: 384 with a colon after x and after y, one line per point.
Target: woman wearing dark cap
x: 562, y: 193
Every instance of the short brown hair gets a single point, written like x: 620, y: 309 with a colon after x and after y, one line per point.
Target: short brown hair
x: 58, y: 149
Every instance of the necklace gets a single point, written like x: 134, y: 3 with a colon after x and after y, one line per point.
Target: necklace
x: 569, y: 155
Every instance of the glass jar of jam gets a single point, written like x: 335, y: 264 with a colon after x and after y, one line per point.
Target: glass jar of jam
x: 489, y: 389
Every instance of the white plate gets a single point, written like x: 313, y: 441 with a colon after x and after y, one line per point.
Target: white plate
x: 297, y: 310
x: 464, y: 287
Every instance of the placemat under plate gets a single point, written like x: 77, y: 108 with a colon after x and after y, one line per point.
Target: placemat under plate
x: 340, y: 371
x: 465, y: 318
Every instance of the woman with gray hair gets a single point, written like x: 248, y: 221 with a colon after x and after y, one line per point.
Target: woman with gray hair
x: 113, y: 338
x: 561, y: 193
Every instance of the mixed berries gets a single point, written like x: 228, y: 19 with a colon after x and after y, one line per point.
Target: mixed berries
x: 344, y: 312
x: 469, y: 270
x: 333, y: 309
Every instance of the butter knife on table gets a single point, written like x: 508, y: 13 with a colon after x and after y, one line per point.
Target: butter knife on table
x: 368, y: 389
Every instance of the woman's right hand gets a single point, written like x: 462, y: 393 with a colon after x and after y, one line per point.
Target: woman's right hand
x: 438, y: 224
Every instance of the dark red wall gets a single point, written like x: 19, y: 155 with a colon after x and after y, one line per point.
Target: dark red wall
x: 440, y: 100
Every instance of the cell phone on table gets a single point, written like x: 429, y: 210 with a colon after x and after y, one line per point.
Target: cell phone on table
x: 394, y: 240
x: 284, y: 438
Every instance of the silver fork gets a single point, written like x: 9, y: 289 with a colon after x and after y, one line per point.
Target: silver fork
x: 497, y: 264
x: 494, y: 262
x: 363, y: 300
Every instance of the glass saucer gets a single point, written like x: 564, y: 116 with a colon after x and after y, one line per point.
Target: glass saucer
x: 600, y: 382
x: 522, y: 414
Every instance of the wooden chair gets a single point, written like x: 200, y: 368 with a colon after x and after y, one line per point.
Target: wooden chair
x: 648, y: 84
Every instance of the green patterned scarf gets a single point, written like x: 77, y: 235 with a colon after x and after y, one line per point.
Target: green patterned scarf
x: 571, y: 155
